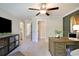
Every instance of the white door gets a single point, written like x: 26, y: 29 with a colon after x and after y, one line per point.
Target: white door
x: 41, y: 30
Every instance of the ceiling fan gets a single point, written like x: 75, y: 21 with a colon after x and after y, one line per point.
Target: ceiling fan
x: 43, y: 9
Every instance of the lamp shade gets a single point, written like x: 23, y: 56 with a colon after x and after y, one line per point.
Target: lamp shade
x: 75, y: 27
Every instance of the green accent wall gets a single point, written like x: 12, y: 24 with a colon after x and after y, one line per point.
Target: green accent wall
x: 66, y: 26
x: 66, y: 23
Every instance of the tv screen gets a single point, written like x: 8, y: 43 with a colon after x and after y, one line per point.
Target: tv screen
x: 5, y: 25
x: 72, y: 35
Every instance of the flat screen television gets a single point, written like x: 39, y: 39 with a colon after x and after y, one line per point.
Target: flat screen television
x: 5, y: 25
x: 72, y: 35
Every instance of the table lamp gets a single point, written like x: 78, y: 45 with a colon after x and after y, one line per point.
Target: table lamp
x: 76, y: 30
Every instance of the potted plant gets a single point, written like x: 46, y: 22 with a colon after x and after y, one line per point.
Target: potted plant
x: 58, y: 33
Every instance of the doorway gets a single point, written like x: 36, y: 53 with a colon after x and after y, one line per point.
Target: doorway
x: 41, y: 30
x: 22, y: 31
x: 29, y: 31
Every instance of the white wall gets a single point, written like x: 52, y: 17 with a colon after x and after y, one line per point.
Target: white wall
x: 53, y: 23
x: 34, y: 30
x: 6, y: 15
x: 15, y: 26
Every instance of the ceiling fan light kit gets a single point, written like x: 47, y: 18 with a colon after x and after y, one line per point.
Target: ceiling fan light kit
x: 43, y: 9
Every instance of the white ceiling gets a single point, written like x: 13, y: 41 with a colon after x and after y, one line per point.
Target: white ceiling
x: 21, y: 9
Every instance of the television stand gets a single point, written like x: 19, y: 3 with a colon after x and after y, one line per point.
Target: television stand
x: 8, y: 43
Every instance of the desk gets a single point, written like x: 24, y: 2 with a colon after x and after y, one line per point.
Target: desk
x: 58, y: 46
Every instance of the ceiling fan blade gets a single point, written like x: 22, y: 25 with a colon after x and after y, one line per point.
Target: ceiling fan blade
x: 37, y: 13
x: 33, y: 9
x: 55, y: 8
x: 47, y: 14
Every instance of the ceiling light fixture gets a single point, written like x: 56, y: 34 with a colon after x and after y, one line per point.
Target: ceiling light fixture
x: 42, y: 11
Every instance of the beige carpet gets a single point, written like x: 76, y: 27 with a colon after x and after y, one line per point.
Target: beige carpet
x: 17, y: 53
x: 28, y: 48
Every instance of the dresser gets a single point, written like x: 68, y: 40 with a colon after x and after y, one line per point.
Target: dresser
x: 58, y: 46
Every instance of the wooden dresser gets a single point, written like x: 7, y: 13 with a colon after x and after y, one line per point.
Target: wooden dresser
x: 58, y: 46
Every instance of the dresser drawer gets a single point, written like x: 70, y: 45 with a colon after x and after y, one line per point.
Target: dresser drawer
x: 60, y: 54
x: 59, y: 49
x: 59, y: 45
